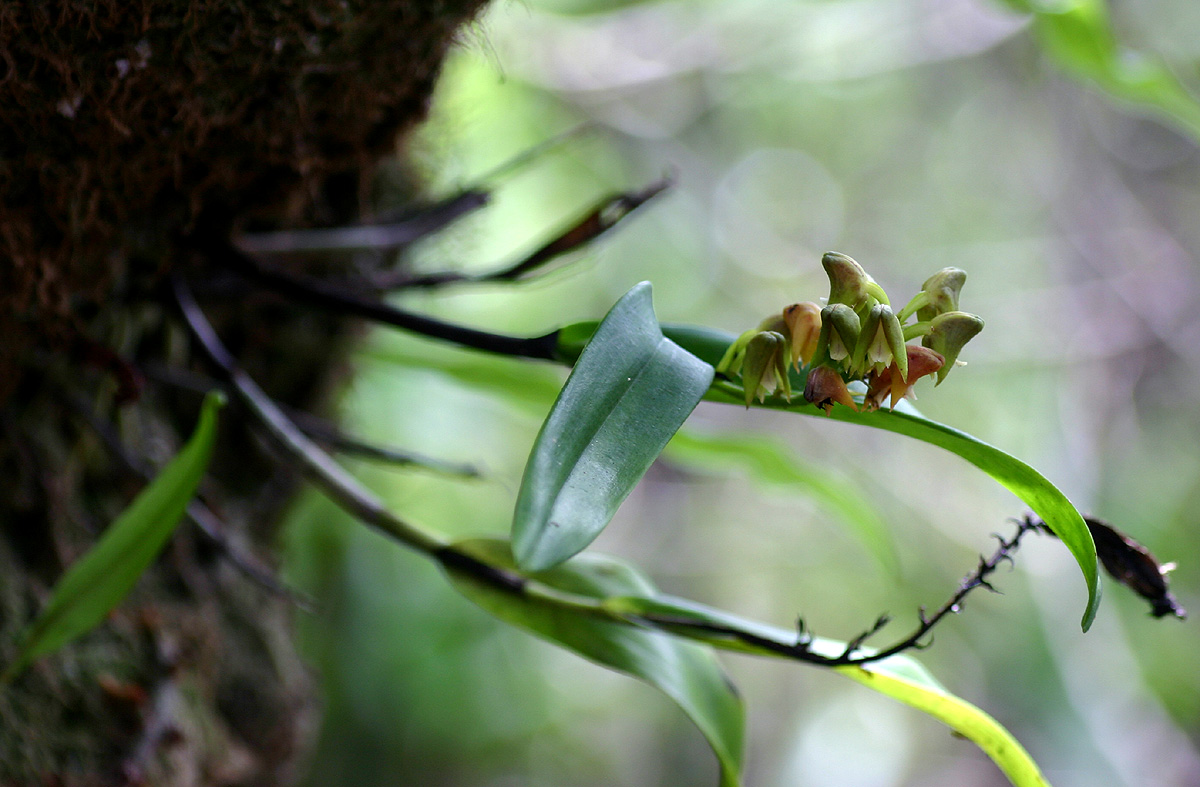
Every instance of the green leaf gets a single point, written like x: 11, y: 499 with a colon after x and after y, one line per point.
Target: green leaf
x: 1079, y: 35
x: 629, y: 392
x: 1022, y: 480
x: 899, y: 676
x: 958, y: 714
x: 687, y: 672
x: 773, y: 462
x: 98, y: 581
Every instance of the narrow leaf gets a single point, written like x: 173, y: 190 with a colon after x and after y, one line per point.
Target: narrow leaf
x: 899, y: 676
x: 629, y: 392
x: 1055, y: 509
x: 958, y: 714
x: 1022, y: 480
x: 687, y: 672
x: 98, y: 581
x: 773, y: 462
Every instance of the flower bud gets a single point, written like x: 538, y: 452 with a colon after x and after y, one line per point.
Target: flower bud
x: 848, y: 282
x: 765, y: 367
x: 803, y: 321
x: 880, y: 342
x: 839, y: 333
x: 735, y: 354
x: 942, y: 289
x: 825, y: 387
x: 948, y: 333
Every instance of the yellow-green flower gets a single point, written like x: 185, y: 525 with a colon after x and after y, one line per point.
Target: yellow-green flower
x: 765, y: 369
x: 948, y: 333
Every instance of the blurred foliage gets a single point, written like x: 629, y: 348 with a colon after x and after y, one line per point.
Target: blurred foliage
x: 911, y: 135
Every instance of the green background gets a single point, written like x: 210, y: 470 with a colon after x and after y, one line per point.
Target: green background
x: 912, y: 136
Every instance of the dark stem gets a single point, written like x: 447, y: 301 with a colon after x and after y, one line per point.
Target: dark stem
x: 386, y: 235
x: 599, y: 220
x: 344, y: 301
x: 360, y: 503
x: 976, y: 579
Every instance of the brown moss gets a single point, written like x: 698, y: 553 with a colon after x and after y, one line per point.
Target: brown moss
x: 125, y: 126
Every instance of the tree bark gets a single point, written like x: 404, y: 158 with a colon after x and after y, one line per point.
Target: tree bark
x: 127, y: 130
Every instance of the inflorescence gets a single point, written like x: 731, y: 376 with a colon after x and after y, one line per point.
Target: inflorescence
x: 856, y: 336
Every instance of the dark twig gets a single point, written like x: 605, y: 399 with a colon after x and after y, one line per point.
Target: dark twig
x: 334, y: 298
x: 364, y: 237
x: 599, y: 220
x: 505, y: 168
x: 804, y: 646
x: 395, y: 229
x: 977, y: 578
x: 318, y: 465
x: 348, y: 493
x: 320, y: 429
x: 330, y: 435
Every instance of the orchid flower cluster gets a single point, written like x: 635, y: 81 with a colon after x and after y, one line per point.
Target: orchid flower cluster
x: 855, y: 336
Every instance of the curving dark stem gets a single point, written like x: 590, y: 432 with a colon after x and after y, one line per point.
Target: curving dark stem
x: 599, y: 220
x: 380, y: 236
x: 803, y: 648
x: 361, y: 504
x: 976, y: 579
x: 339, y: 299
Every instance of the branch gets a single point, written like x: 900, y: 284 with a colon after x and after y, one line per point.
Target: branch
x: 344, y: 301
x: 393, y: 230
x: 319, y: 429
x: 318, y: 465
x: 803, y: 647
x: 599, y: 220
x: 352, y: 497
x: 386, y: 237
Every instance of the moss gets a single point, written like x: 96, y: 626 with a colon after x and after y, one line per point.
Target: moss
x: 125, y: 128
x: 125, y: 124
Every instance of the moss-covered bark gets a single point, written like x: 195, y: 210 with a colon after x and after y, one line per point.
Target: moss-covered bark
x: 125, y: 129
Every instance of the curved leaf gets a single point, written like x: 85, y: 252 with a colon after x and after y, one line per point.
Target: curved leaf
x: 900, y: 677
x: 1055, y: 509
x: 98, y: 581
x: 687, y: 672
x: 958, y: 714
x: 1022, y: 480
x: 629, y: 392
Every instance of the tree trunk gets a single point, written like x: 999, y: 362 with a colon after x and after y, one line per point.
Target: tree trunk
x: 128, y: 132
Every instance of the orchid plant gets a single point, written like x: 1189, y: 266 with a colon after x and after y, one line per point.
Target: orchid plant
x: 855, y: 337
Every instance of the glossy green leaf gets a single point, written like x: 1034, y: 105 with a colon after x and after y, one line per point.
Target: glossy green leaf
x: 687, y: 672
x: 1079, y: 35
x: 900, y: 677
x: 629, y: 392
x: 1055, y: 509
x: 773, y: 462
x: 1022, y: 480
x: 97, y: 582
